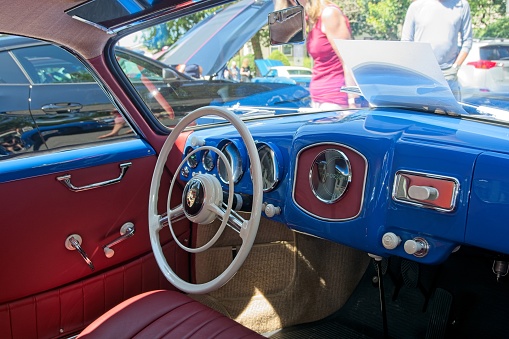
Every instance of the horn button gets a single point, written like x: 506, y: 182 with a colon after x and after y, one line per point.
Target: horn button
x: 202, y: 191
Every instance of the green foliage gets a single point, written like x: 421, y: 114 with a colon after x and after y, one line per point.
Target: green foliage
x: 308, y: 62
x: 486, y: 12
x: 383, y: 19
x: 498, y: 29
x: 278, y: 55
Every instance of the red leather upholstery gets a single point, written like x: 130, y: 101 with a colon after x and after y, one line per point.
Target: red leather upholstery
x: 164, y: 314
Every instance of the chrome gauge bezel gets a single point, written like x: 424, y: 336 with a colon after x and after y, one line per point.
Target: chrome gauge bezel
x: 267, y: 151
x: 343, y: 174
x: 206, y: 157
x: 192, y: 161
x: 234, y: 155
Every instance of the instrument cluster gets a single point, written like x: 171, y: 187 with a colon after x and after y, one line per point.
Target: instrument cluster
x: 208, y: 161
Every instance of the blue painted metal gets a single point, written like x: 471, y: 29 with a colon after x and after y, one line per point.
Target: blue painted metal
x: 56, y: 162
x: 392, y: 140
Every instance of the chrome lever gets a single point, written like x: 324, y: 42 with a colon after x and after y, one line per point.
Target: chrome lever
x: 73, y: 242
x: 126, y: 231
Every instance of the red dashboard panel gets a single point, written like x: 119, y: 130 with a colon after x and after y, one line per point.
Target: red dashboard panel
x: 349, y: 206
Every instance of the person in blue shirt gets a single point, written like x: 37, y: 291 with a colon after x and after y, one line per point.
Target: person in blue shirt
x: 447, y: 26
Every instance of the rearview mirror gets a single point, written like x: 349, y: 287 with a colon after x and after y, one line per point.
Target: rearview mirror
x: 287, y: 26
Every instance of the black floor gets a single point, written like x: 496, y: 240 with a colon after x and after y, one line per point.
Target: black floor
x: 460, y: 298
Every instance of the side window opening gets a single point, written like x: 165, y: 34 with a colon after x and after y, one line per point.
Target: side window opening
x: 49, y: 100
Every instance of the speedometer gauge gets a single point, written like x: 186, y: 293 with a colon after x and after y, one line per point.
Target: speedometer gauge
x: 330, y: 175
x: 270, y: 168
x: 208, y: 160
x: 233, y: 156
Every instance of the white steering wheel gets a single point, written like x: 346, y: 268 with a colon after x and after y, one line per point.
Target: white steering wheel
x: 202, y: 202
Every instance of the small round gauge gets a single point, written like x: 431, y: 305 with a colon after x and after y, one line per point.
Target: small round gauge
x: 269, y: 164
x: 192, y: 161
x: 233, y: 156
x: 330, y: 175
x: 208, y: 160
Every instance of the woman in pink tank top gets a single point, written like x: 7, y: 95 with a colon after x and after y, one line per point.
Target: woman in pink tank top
x: 327, y: 22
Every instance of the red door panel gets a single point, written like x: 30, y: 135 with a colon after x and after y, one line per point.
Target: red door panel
x: 48, y: 290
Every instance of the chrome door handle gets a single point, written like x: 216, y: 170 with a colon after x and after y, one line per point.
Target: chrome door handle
x: 66, y: 180
x: 63, y: 107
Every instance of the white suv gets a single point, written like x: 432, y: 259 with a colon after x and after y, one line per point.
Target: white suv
x: 486, y: 69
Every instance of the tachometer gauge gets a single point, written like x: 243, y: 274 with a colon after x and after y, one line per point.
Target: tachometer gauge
x: 270, y: 168
x: 330, y: 175
x: 192, y: 161
x: 233, y: 156
x: 208, y: 160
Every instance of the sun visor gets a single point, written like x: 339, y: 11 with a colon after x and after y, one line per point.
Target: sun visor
x: 114, y: 15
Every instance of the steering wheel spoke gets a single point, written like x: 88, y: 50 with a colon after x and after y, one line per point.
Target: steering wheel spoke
x: 177, y: 214
x: 202, y: 202
x: 235, y: 221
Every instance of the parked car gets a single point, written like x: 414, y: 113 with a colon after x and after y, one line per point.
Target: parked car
x: 254, y: 215
x: 292, y: 74
x: 486, y: 68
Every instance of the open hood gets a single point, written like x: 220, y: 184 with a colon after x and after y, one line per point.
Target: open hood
x: 399, y: 74
x: 230, y: 28
x: 265, y: 64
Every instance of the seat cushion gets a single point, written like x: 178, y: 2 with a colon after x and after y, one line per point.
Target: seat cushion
x: 165, y: 314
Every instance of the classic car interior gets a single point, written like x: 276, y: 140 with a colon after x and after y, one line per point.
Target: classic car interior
x: 218, y: 209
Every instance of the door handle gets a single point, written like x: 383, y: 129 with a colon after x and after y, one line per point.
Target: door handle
x: 62, y: 107
x: 66, y: 180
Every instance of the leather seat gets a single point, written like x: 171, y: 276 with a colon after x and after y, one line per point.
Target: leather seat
x: 164, y: 314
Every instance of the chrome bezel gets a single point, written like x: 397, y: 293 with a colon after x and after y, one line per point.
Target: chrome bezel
x: 295, y: 183
x: 189, y: 149
x: 275, y: 164
x: 237, y: 171
x: 397, y: 178
x: 348, y: 176
x: 204, y: 155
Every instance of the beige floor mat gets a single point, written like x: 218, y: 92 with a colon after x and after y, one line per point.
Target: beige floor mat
x: 288, y: 278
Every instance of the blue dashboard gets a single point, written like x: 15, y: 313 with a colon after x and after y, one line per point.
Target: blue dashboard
x: 412, y: 184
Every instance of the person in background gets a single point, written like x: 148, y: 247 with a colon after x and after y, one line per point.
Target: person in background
x: 326, y: 22
x: 193, y: 70
x: 245, y: 71
x: 119, y: 123
x: 447, y: 26
x: 234, y: 71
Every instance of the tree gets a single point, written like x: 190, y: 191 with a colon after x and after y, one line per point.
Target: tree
x: 486, y: 12
x: 498, y: 29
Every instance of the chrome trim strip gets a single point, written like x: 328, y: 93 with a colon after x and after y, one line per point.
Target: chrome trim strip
x: 363, y: 184
x: 397, y: 177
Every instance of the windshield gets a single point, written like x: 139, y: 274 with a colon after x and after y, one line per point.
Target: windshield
x: 221, y: 56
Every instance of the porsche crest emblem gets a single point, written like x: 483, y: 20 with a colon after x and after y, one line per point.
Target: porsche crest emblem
x: 191, y: 196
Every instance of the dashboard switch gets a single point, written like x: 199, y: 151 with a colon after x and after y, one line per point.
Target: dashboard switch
x: 423, y: 193
x: 417, y: 246
x: 271, y: 210
x: 390, y: 240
